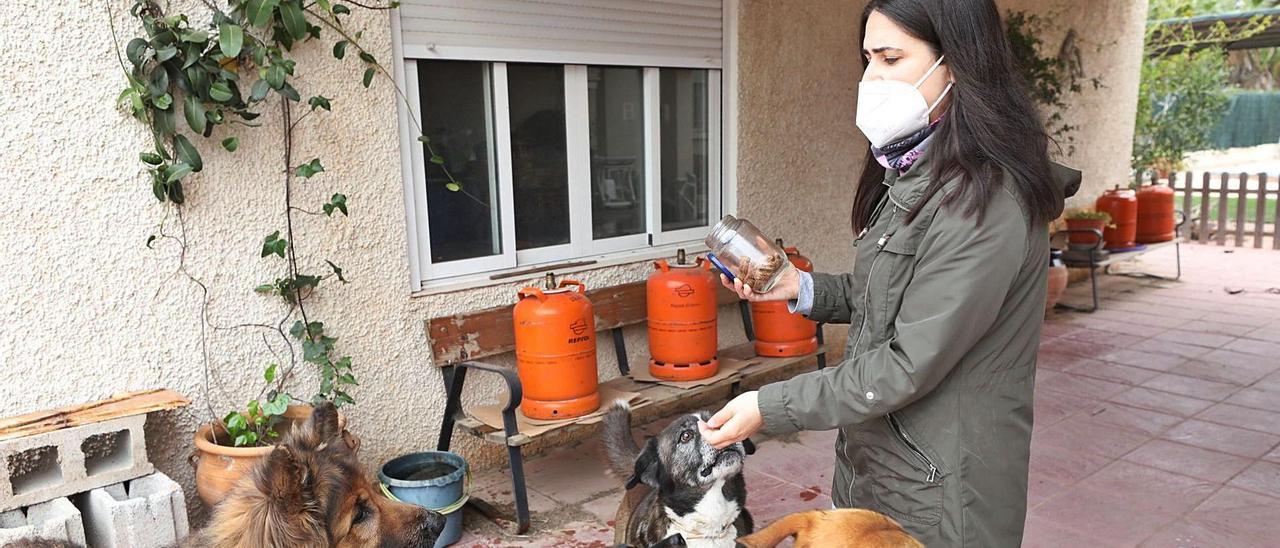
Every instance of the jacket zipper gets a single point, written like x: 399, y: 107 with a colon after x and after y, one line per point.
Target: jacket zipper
x: 901, y: 433
x: 866, y: 288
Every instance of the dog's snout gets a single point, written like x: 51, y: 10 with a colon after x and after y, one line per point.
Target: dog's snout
x: 431, y: 524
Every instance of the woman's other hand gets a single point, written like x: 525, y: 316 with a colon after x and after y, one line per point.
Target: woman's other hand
x: 737, y: 421
x: 785, y: 289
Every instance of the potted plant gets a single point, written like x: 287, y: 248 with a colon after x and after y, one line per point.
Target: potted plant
x: 228, y: 448
x: 1086, y: 219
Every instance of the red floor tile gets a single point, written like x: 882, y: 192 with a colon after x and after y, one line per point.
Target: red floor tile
x: 1079, y: 434
x: 1242, y: 417
x: 1187, y: 460
x: 1040, y: 532
x: 1064, y: 466
x: 1080, y: 386
x: 769, y: 499
x: 1188, y: 335
x: 1238, y: 374
x: 1163, y: 402
x: 793, y: 463
x: 1260, y: 477
x: 1052, y: 407
x: 1190, y: 386
x: 1194, y: 534
x: 1227, y: 439
x: 1133, y: 419
x: 1113, y: 372
x: 1150, y: 488
x: 1257, y: 397
x: 1255, y: 347
x: 1118, y: 340
x: 1145, y: 360
x: 1104, y: 516
x: 1252, y: 519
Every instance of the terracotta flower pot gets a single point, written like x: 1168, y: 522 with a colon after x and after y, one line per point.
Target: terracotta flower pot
x: 1085, y: 238
x: 219, y: 467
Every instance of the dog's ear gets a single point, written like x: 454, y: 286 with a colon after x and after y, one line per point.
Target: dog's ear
x: 321, y: 427
x: 353, y: 442
x: 648, y: 468
x: 749, y: 446
x: 282, y: 477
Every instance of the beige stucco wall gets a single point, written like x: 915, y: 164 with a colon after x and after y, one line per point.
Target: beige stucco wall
x: 90, y: 311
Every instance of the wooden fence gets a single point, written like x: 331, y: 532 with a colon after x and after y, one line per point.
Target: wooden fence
x: 1211, y: 215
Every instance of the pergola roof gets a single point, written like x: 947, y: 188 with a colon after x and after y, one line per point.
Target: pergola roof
x: 1202, y: 24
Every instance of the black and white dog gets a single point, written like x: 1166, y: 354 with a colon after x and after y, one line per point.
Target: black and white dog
x: 677, y: 484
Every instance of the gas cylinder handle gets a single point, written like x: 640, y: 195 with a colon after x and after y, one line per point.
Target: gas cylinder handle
x: 661, y: 264
x: 581, y: 287
x: 532, y: 292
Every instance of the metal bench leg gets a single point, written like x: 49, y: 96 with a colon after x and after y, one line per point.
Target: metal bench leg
x: 620, y: 349
x: 454, y: 377
x: 745, y: 309
x: 1093, y: 288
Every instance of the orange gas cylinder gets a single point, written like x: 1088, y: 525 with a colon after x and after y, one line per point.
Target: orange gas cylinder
x: 778, y: 331
x: 682, y: 320
x: 556, y: 351
x: 1122, y: 204
x: 1155, y: 214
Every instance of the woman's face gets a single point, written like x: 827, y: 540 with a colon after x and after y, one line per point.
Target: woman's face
x: 893, y: 54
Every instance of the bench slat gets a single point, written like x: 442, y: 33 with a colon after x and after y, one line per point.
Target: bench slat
x: 489, y: 332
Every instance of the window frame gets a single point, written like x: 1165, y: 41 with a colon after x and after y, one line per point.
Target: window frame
x: 582, y: 246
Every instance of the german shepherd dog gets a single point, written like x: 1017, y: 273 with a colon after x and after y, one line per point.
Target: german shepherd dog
x: 833, y: 529
x: 311, y: 492
x: 677, y: 485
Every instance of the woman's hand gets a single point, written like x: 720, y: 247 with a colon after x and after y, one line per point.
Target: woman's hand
x: 785, y: 289
x: 738, y: 420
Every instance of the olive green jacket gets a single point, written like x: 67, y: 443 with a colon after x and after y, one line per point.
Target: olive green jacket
x: 934, y: 398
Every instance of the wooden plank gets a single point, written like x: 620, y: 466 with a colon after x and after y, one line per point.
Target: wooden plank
x: 489, y: 332
x: 1260, y: 212
x: 125, y: 404
x: 1204, y: 209
x: 1241, y: 215
x: 1221, y: 225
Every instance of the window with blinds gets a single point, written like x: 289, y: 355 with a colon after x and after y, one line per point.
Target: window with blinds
x: 665, y: 33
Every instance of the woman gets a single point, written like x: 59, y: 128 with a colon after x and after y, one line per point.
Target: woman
x: 946, y: 298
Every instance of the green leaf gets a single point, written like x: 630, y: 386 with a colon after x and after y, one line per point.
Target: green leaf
x: 347, y: 378
x: 297, y: 330
x: 136, y: 50
x: 220, y: 92
x: 230, y: 39
x: 270, y: 374
x: 150, y: 158
x: 337, y: 271
x: 231, y: 144
x: 259, y: 90
x: 288, y: 92
x: 368, y: 76
x: 187, y: 152
x: 271, y: 244
x: 366, y: 57
x: 276, y: 406
x: 259, y: 11
x: 158, y: 188
x: 165, y: 120
x: 253, y: 410
x: 150, y: 239
x: 319, y: 101
x: 294, y: 21
x: 453, y: 187
x: 337, y: 202
x: 341, y: 398
x: 310, y: 169
x: 312, y: 350
x: 424, y: 139
x: 305, y: 281
x: 325, y: 5
x: 339, y: 9
x: 437, y: 159
x: 165, y: 53
x: 163, y: 101
x: 340, y: 49
x: 265, y: 288
x: 175, y: 192
x: 195, y: 36
x: 236, y: 421
x: 158, y: 84
x: 275, y: 76
x: 193, y: 109
x: 176, y: 172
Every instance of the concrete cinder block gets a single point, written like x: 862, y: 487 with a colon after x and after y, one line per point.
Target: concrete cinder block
x: 143, y: 513
x: 46, y: 466
x: 57, y: 519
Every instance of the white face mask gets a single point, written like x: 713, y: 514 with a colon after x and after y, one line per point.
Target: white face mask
x: 889, y: 110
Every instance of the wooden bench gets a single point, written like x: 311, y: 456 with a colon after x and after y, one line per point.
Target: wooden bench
x: 458, y: 340
x: 1093, y: 261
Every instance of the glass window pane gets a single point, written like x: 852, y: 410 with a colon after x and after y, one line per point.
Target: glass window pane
x: 684, y: 148
x: 539, y: 161
x: 457, y: 118
x: 616, y: 112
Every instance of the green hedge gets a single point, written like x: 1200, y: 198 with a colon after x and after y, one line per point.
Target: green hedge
x: 1253, y: 119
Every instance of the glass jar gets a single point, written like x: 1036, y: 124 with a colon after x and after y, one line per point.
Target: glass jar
x: 741, y: 251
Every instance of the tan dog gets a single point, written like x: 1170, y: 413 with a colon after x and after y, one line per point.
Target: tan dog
x: 311, y: 492
x: 832, y: 529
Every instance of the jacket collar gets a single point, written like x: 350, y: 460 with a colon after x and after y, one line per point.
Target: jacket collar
x: 906, y: 189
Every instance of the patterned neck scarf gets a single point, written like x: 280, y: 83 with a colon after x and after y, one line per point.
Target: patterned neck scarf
x: 901, y: 154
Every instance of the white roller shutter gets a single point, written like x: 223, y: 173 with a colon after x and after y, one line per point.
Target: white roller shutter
x: 673, y: 33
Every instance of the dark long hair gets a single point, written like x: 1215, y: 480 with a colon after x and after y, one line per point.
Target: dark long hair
x: 991, y: 129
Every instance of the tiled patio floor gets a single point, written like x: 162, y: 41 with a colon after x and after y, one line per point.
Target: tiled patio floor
x: 1157, y: 424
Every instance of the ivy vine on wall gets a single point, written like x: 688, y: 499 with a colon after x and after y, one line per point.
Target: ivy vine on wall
x: 186, y: 78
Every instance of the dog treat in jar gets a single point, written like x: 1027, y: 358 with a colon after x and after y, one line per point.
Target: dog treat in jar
x: 741, y: 251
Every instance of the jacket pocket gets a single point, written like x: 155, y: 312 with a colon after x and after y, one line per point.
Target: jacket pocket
x: 906, y: 483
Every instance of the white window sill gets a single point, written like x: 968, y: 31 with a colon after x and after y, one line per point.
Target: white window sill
x: 483, y: 279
